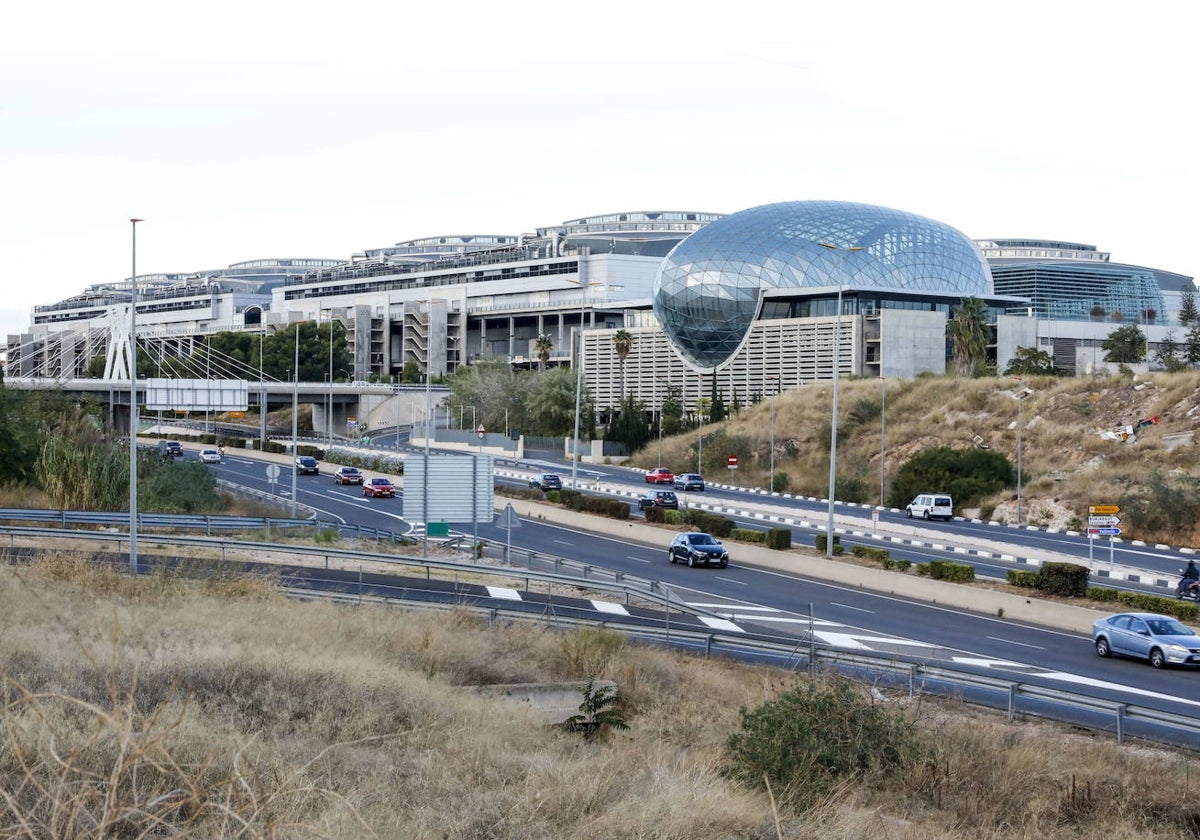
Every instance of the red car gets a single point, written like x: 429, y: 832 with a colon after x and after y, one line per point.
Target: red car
x: 379, y: 487
x: 347, y: 475
x: 662, y: 475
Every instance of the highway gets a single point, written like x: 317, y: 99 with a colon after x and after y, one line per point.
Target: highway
x: 764, y: 601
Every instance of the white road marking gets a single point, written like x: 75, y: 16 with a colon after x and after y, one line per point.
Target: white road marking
x: 609, y: 607
x: 721, y: 624
x: 731, y: 580
x: 848, y: 607
x: 504, y: 592
x: 1011, y: 642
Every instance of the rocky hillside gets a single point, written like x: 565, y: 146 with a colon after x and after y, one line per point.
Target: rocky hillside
x: 1084, y: 441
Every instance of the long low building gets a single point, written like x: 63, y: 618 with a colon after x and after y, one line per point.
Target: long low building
x: 749, y: 301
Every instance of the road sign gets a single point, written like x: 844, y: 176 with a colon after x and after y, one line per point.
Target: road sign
x: 509, y: 518
x: 732, y: 461
x: 272, y: 473
x: 1105, y: 532
x: 1104, y: 509
x: 1103, y: 521
x: 481, y: 431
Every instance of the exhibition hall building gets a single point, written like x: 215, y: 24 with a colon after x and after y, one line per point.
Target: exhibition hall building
x: 752, y: 303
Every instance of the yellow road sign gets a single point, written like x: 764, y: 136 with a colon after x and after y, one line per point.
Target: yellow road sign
x: 1104, y: 509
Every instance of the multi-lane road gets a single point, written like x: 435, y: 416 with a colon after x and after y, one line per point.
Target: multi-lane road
x: 765, y: 601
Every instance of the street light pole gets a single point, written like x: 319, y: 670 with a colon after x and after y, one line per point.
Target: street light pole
x: 133, y: 410
x: 882, y: 431
x: 833, y: 423
x: 329, y: 416
x: 578, y: 392
x: 295, y: 409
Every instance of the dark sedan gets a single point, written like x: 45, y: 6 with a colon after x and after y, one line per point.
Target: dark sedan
x: 696, y: 547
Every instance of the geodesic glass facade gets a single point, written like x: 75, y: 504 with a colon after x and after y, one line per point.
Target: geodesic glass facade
x: 709, y: 288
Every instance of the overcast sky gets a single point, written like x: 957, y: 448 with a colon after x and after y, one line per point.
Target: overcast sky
x: 253, y: 130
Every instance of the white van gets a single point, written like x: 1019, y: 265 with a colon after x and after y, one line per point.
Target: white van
x: 931, y: 506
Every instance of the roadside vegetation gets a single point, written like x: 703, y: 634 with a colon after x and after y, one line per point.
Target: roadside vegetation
x: 166, y: 707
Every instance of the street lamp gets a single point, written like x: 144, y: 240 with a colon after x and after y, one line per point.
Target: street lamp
x: 771, y: 480
x: 329, y: 416
x: 295, y: 410
x: 882, y: 431
x: 579, y: 379
x: 837, y: 345
x: 133, y: 410
x: 1020, y: 397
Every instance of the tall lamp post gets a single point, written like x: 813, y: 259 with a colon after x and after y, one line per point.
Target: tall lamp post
x: 295, y: 409
x: 579, y: 380
x: 771, y: 479
x: 882, y: 431
x: 837, y: 360
x: 329, y: 416
x: 1020, y: 397
x: 133, y: 410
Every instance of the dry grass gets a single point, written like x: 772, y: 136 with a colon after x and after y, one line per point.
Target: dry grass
x: 168, y: 708
x: 1063, y: 456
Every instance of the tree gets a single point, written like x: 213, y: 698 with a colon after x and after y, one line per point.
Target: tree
x: 599, y: 713
x: 410, y: 374
x: 672, y: 411
x: 1029, y: 361
x: 1188, y: 313
x: 969, y: 337
x: 1125, y: 345
x: 1167, y: 354
x: 966, y: 474
x: 622, y: 342
x: 630, y: 427
x: 1191, y: 346
x: 543, y: 344
x: 717, y: 411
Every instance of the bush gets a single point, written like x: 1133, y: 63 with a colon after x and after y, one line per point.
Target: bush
x: 966, y: 474
x: 1067, y: 579
x: 657, y: 515
x: 748, y: 535
x: 711, y: 523
x: 780, y: 482
x: 946, y: 570
x: 1102, y: 593
x: 1183, y: 610
x: 809, y: 739
x: 1023, y: 578
x: 822, y: 542
x: 879, y: 555
x: 779, y: 538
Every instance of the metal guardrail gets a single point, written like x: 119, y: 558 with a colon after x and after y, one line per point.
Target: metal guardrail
x: 919, y: 677
x: 917, y: 674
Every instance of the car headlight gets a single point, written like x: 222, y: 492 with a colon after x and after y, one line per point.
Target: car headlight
x: 1176, y: 648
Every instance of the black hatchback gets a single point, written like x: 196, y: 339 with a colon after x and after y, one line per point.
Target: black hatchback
x: 546, y: 481
x: 659, y: 498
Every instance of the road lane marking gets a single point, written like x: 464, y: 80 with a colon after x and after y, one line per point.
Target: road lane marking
x: 848, y: 607
x: 1012, y: 642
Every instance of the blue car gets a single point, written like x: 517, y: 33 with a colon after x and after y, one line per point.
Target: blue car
x: 1160, y: 639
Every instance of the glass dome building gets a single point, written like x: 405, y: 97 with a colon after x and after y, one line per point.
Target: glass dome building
x: 710, y: 288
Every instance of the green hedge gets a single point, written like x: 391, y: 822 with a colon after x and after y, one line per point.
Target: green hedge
x: 823, y: 540
x: 1023, y: 578
x: 946, y: 570
x: 1069, y: 579
x: 1183, y: 610
x: 711, y: 523
x: 779, y: 538
x: 1102, y: 593
x: 748, y: 535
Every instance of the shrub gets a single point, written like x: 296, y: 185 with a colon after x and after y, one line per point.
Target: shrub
x: 1102, y: 593
x: 946, y: 570
x: 657, y: 515
x: 879, y: 555
x: 1068, y: 579
x: 712, y: 523
x: 780, y: 482
x: 809, y: 739
x: 748, y: 535
x: 1022, y: 577
x: 1183, y: 610
x: 967, y: 474
x: 903, y: 564
x: 779, y: 538
x: 822, y: 542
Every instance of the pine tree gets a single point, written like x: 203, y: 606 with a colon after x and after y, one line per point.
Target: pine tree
x: 1188, y: 314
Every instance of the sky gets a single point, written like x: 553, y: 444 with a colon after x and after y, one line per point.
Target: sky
x: 254, y: 130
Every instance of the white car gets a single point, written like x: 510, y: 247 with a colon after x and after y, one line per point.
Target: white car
x: 209, y: 456
x: 931, y: 506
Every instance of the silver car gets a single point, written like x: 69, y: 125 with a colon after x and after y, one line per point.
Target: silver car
x: 1161, y: 639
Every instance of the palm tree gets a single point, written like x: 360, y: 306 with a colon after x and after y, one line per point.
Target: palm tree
x: 968, y: 331
x: 622, y: 342
x: 543, y: 344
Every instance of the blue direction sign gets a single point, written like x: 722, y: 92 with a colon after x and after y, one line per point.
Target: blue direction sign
x: 1105, y: 532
